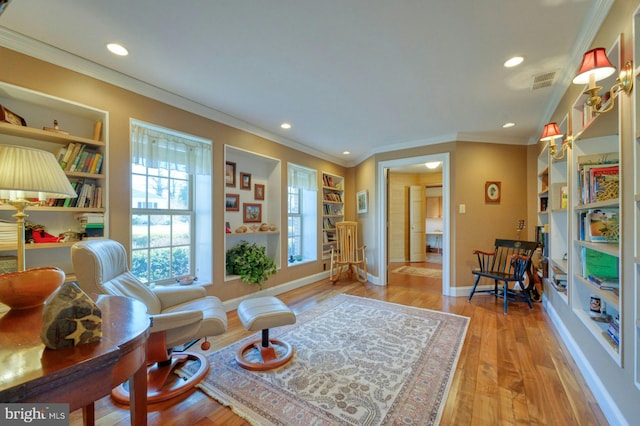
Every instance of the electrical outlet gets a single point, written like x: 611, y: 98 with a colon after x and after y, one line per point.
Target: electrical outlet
x: 463, y: 208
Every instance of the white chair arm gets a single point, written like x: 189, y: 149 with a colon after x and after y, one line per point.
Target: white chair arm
x: 171, y: 296
x: 171, y: 320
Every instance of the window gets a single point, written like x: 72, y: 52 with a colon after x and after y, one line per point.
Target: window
x: 302, y: 216
x: 294, y: 228
x: 167, y: 168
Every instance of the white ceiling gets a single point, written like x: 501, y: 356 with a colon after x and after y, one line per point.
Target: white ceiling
x: 364, y: 75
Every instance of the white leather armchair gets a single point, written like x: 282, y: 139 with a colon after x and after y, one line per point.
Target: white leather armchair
x: 178, y: 314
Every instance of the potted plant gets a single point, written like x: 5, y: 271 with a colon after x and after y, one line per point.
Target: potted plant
x: 251, y: 262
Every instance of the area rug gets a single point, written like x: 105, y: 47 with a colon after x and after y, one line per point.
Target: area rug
x: 357, y: 361
x: 419, y: 271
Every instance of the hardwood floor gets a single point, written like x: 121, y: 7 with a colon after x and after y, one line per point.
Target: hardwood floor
x: 512, y: 369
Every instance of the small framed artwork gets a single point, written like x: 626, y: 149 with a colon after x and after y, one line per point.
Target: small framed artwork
x: 230, y: 174
x: 245, y: 180
x: 11, y: 117
x: 492, y: 192
x: 258, y: 191
x: 362, y: 202
x: 232, y: 202
x: 252, y: 212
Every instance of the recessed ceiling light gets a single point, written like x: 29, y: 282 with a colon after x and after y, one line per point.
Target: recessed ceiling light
x: 512, y: 62
x: 507, y: 125
x: 117, y: 49
x: 285, y: 125
x: 346, y: 152
x: 432, y: 164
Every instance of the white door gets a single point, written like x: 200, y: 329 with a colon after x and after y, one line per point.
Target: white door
x: 417, y: 211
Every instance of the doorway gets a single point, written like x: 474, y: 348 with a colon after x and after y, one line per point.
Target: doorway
x: 384, y: 208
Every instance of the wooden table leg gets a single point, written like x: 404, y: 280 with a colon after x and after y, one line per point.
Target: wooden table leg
x: 89, y: 415
x: 138, y: 396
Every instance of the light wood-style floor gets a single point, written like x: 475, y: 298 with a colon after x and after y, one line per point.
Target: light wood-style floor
x: 513, y: 369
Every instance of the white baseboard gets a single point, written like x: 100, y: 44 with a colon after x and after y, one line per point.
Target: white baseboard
x: 605, y: 401
x: 230, y: 305
x: 466, y: 291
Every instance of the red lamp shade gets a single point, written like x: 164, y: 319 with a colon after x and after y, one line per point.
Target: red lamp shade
x: 594, y: 62
x: 550, y: 131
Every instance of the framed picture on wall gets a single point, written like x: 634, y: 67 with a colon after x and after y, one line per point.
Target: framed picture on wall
x: 492, y: 192
x: 232, y: 202
x: 362, y: 202
x: 252, y: 212
x: 245, y: 180
x: 230, y: 174
x: 258, y: 191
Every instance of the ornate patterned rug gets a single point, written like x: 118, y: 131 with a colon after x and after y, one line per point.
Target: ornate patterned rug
x: 419, y: 271
x: 357, y: 361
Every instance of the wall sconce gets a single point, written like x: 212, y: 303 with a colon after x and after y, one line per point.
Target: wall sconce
x: 595, y: 67
x: 550, y: 132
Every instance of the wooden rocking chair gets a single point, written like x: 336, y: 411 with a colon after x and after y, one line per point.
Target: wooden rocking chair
x: 347, y: 253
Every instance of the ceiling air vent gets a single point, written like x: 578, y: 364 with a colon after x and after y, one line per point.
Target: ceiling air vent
x: 543, y: 80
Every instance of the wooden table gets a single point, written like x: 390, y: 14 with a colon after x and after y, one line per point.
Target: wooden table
x: 30, y: 372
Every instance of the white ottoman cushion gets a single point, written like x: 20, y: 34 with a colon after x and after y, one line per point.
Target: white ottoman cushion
x: 264, y: 312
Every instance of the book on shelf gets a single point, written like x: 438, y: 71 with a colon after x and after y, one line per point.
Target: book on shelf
x: 544, y: 203
x: 598, y: 264
x: 558, y: 273
x: 604, y: 283
x: 599, y: 225
x: 613, y: 331
x: 564, y: 197
x: 605, y: 182
x: 606, y: 170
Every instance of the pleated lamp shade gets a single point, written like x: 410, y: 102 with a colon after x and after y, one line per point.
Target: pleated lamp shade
x: 27, y: 173
x: 550, y: 131
x: 595, y: 63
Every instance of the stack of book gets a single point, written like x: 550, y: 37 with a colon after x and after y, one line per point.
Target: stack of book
x: 598, y: 177
x: 605, y: 283
x: 8, y: 264
x: 614, y: 331
x: 8, y: 232
x: 559, y: 278
x: 92, y: 225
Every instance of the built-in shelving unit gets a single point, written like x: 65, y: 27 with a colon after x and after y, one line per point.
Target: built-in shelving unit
x: 596, y: 240
x: 264, y: 171
x: 81, y: 125
x: 332, y: 210
x: 542, y: 226
x: 558, y: 220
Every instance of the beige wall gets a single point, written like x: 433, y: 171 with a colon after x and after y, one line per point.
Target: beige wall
x: 471, y: 165
x: 122, y: 105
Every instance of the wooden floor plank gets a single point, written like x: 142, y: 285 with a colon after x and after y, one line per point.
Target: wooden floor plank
x: 513, y: 369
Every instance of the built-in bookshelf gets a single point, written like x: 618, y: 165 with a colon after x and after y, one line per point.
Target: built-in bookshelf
x: 332, y: 210
x: 542, y: 226
x: 558, y: 216
x: 252, y: 200
x: 595, y: 232
x: 55, y: 125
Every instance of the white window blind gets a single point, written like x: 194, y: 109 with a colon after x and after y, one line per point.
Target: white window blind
x: 302, y: 178
x: 163, y: 150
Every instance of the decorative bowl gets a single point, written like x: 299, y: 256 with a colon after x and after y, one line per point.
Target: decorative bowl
x: 186, y: 280
x: 30, y: 288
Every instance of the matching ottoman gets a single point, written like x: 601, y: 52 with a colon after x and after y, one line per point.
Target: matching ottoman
x: 263, y: 313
